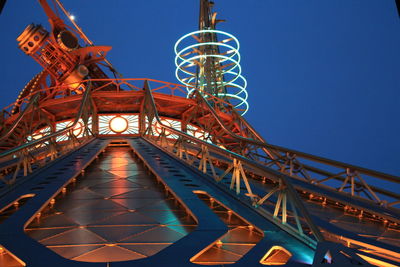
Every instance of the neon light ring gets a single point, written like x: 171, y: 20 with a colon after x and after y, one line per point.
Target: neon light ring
x: 187, y: 59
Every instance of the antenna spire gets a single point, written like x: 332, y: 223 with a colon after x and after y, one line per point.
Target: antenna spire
x: 206, y: 21
x: 212, y: 63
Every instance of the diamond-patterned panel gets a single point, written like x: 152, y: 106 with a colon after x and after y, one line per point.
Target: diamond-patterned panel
x: 240, y: 238
x: 7, y: 259
x: 115, y: 212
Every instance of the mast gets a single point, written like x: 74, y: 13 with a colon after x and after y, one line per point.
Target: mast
x: 208, y: 61
x: 209, y: 75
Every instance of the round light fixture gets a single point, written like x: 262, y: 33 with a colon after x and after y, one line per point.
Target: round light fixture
x: 77, y: 129
x: 159, y: 127
x: 118, y: 124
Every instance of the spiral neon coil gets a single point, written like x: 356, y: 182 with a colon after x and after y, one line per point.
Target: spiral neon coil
x: 189, y: 57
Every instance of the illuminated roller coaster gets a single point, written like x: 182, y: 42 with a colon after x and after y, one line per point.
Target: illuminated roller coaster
x: 140, y: 172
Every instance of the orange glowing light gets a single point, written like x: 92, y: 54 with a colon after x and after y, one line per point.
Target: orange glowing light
x: 77, y: 129
x: 9, y: 259
x: 376, y: 262
x: 118, y: 124
x: 159, y: 128
x: 277, y: 255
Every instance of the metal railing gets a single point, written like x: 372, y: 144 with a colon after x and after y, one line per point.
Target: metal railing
x: 44, y: 149
x: 211, y: 159
x: 21, y: 115
x: 349, y: 180
x: 314, y: 169
x: 203, y: 154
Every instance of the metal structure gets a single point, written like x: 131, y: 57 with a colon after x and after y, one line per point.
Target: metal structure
x: 107, y: 171
x: 209, y: 60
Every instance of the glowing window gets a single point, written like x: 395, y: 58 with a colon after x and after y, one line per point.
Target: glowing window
x: 132, y: 127
x: 159, y: 128
x: 77, y: 129
x: 118, y: 124
x: 277, y: 255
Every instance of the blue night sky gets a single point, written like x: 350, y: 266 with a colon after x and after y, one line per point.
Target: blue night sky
x: 323, y: 76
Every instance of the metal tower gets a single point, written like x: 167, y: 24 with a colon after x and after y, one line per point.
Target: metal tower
x: 209, y: 60
x: 100, y: 171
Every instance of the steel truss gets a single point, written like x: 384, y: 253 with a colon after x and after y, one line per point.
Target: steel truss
x: 213, y: 138
x: 226, y: 152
